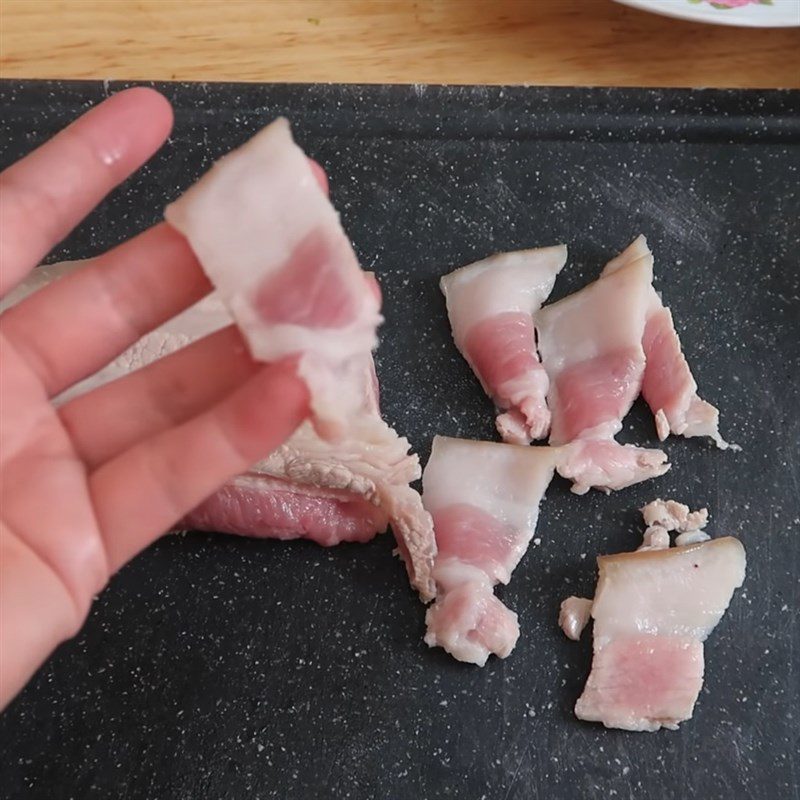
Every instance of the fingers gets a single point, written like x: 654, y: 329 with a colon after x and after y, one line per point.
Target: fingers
x: 74, y: 326
x: 114, y: 417
x: 36, y: 614
x: 43, y: 196
x: 71, y: 328
x: 139, y: 494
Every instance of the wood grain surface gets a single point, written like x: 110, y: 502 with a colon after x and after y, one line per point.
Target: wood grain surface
x: 560, y: 42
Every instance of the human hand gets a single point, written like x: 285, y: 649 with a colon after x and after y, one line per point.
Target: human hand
x: 86, y: 486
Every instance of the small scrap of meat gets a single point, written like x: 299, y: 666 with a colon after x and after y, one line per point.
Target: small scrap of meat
x: 664, y: 516
x: 607, y: 465
x: 674, y: 516
x: 574, y: 616
x: 652, y: 612
x: 329, y: 492
x: 270, y: 241
x: 668, y: 385
x: 655, y: 538
x: 484, y: 499
x: 491, y: 305
x: 467, y: 620
x: 591, y: 348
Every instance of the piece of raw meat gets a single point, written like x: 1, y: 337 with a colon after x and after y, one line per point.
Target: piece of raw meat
x: 574, y: 616
x: 668, y: 385
x: 490, y: 304
x: 664, y: 516
x: 371, y: 466
x: 652, y: 612
x: 270, y: 241
x: 329, y: 492
x: 484, y: 499
x: 466, y: 619
x: 591, y: 348
x: 674, y: 516
x: 258, y: 505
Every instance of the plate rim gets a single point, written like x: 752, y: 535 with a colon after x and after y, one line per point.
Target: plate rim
x: 701, y: 13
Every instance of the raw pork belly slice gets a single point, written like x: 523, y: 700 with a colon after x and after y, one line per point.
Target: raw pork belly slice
x: 256, y: 504
x: 484, y: 499
x: 668, y: 385
x: 490, y: 305
x: 308, y: 488
x: 591, y: 347
x: 652, y: 612
x: 270, y: 241
x: 364, y: 480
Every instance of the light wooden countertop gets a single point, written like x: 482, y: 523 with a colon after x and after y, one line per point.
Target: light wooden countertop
x: 567, y: 42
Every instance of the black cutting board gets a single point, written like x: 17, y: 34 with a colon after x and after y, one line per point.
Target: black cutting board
x: 218, y: 667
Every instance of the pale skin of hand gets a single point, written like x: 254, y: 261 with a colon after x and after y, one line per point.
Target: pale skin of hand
x: 87, y: 485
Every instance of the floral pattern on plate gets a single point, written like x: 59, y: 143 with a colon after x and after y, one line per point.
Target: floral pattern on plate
x: 723, y: 4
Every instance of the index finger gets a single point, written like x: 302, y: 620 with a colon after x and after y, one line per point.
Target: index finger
x: 47, y: 193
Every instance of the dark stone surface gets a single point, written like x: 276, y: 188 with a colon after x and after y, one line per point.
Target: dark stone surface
x: 216, y: 667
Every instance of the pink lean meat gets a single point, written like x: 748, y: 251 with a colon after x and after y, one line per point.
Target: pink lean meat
x: 668, y: 385
x: 490, y: 305
x: 270, y: 241
x: 591, y: 348
x: 329, y: 492
x: 484, y: 499
x: 652, y: 612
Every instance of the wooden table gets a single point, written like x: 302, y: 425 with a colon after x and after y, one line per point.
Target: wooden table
x: 572, y: 42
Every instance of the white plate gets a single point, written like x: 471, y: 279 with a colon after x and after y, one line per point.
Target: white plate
x: 756, y: 14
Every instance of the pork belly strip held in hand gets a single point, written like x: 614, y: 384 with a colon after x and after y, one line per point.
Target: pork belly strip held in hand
x: 490, y: 305
x: 668, y: 385
x: 308, y: 488
x: 484, y: 499
x: 652, y: 612
x: 591, y: 348
x: 271, y: 243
